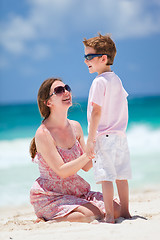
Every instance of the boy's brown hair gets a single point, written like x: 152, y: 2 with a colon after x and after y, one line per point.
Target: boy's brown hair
x: 102, y: 45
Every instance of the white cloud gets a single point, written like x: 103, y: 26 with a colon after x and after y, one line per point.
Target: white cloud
x: 55, y: 19
x: 15, y: 33
x: 123, y: 18
x: 136, y: 20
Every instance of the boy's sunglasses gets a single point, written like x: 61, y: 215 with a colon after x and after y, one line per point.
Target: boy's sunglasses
x: 91, y: 56
x: 60, y: 89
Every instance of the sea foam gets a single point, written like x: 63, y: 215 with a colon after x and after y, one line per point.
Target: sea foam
x: 142, y: 141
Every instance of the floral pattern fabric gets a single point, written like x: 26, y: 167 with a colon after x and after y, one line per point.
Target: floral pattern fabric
x: 53, y: 197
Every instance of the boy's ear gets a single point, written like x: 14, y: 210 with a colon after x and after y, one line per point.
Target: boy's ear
x: 104, y: 58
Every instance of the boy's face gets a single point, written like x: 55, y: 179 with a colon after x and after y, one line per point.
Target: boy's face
x: 91, y: 64
x: 95, y: 64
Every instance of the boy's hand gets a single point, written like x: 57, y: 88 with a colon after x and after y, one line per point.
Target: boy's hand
x: 90, y: 149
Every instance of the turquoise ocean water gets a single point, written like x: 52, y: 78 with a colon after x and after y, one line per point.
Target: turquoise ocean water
x: 18, y: 124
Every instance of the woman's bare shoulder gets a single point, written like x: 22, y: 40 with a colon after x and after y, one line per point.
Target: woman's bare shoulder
x: 75, y: 124
x: 44, y: 139
x: 77, y: 128
x: 42, y: 133
x: 42, y: 130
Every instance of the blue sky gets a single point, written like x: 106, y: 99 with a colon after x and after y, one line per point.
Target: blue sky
x: 43, y: 38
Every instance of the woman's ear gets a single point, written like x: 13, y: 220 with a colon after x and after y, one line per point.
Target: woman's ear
x: 48, y: 103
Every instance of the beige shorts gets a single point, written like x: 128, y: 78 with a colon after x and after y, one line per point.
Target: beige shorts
x: 112, y: 161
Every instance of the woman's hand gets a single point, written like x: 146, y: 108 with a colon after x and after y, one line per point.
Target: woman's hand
x: 90, y: 149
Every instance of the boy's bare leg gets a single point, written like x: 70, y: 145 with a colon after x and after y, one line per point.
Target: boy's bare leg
x: 107, y: 189
x: 123, y: 192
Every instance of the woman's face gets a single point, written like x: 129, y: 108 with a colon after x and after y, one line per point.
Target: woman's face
x: 60, y: 96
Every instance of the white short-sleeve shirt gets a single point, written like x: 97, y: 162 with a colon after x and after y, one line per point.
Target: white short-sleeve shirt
x: 107, y: 91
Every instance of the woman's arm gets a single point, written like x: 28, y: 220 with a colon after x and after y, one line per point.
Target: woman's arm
x: 47, y: 148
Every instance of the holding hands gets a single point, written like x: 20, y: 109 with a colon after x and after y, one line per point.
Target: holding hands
x: 90, y: 149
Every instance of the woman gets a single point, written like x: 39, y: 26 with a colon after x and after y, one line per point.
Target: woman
x: 59, y: 193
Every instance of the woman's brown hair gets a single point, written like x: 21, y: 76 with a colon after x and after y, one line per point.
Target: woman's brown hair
x: 42, y: 98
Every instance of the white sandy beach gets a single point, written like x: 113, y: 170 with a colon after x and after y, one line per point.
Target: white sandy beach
x: 17, y: 223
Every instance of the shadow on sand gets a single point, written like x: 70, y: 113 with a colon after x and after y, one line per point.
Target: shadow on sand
x: 121, y: 219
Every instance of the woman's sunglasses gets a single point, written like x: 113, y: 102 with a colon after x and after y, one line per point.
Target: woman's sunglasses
x: 60, y: 89
x: 91, y: 56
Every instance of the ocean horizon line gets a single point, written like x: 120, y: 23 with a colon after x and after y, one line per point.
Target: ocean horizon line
x: 130, y: 97
x: 22, y: 119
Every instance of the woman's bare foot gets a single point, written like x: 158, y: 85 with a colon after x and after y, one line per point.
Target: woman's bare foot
x: 95, y: 222
x: 39, y: 220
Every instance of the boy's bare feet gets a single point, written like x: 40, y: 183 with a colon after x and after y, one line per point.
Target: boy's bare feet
x: 126, y: 215
x: 109, y: 219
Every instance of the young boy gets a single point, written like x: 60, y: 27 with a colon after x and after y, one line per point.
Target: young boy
x: 107, y: 115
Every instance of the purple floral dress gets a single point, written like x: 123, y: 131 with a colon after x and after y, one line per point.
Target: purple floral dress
x: 53, y: 197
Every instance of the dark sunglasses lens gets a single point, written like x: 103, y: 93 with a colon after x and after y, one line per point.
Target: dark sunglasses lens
x: 67, y: 88
x: 59, y: 90
x: 89, y: 57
